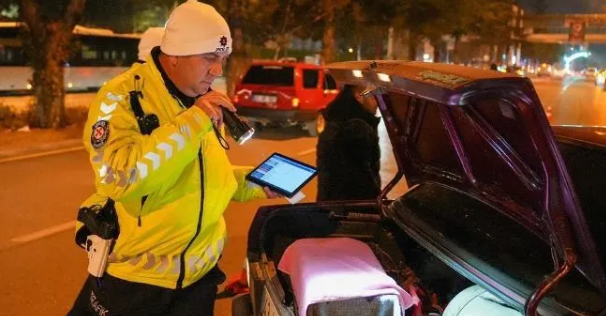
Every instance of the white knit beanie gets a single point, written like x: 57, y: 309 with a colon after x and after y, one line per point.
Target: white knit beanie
x: 151, y: 38
x: 195, y: 28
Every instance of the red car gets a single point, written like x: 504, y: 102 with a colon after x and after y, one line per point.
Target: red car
x: 285, y: 94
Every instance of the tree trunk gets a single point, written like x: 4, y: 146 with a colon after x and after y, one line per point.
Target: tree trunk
x: 237, y: 63
x: 455, y: 51
x: 47, y: 81
x: 277, y: 52
x: 437, y: 53
x: 378, y: 44
x: 49, y: 47
x: 328, y: 38
x: 391, y: 37
x: 282, y: 45
x: 413, y: 42
x: 239, y: 59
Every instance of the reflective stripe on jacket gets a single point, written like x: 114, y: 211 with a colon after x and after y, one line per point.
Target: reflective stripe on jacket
x: 165, y: 167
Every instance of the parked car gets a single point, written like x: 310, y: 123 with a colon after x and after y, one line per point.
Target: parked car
x: 591, y: 73
x: 559, y: 72
x: 497, y: 203
x: 285, y: 94
x: 600, y: 78
x: 544, y: 70
x: 515, y: 69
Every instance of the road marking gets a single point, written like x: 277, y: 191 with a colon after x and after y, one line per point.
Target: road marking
x: 42, y: 154
x: 306, y: 152
x: 45, y: 232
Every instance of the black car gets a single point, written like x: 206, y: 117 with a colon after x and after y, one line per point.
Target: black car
x: 503, y: 216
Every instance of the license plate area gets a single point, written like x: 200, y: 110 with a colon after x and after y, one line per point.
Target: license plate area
x: 264, y: 98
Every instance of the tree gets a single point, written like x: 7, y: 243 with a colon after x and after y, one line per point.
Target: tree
x: 373, y: 19
x: 240, y: 59
x: 149, y: 13
x: 49, y: 27
x: 425, y: 18
x: 432, y: 19
x: 252, y: 16
x: 116, y: 15
x: 542, y: 52
x: 9, y: 10
x: 490, y: 22
x: 330, y: 9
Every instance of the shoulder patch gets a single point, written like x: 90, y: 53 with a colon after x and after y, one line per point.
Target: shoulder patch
x: 100, y: 134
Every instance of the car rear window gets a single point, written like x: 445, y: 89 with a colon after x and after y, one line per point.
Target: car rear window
x: 270, y: 75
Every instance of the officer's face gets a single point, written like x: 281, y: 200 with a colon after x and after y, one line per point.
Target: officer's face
x: 194, y: 74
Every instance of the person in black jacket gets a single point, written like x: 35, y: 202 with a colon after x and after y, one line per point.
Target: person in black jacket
x: 348, y: 154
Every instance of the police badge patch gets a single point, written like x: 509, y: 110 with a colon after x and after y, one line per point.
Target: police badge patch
x: 223, y: 43
x: 100, y: 134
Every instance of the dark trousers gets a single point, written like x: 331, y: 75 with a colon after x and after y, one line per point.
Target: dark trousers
x: 113, y: 297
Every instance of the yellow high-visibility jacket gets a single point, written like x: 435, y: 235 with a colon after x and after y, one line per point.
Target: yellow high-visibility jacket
x: 177, y: 235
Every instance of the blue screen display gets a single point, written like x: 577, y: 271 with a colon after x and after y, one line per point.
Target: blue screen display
x: 283, y: 173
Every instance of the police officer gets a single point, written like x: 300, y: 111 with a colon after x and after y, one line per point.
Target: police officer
x: 168, y: 176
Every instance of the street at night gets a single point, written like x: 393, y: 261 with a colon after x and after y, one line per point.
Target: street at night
x: 42, y: 267
x: 572, y: 101
x: 395, y: 148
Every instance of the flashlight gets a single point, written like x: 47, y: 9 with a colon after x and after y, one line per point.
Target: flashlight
x: 238, y: 129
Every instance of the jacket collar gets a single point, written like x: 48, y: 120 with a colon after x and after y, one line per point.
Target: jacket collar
x: 170, y: 86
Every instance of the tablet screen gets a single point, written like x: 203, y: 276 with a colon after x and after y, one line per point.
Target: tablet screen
x: 283, y: 173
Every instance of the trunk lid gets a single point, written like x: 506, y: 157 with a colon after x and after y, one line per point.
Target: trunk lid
x: 483, y: 133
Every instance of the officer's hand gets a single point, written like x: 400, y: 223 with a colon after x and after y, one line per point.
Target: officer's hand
x: 211, y: 104
x: 271, y: 194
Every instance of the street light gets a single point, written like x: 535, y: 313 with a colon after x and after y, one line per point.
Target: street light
x: 569, y: 59
x: 350, y: 50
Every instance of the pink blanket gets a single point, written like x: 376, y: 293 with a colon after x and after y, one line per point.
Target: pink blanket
x: 334, y: 269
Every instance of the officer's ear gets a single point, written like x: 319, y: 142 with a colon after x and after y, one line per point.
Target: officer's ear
x: 173, y: 60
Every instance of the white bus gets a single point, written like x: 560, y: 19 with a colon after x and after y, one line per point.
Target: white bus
x: 98, y: 56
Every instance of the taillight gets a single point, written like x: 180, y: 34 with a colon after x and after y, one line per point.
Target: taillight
x: 295, y: 102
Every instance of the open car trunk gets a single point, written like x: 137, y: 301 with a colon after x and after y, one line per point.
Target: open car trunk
x: 515, y: 259
x: 490, y: 198
x: 276, y: 228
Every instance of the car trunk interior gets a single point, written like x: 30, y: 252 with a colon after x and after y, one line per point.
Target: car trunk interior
x: 400, y: 256
x: 496, y: 245
x: 584, y: 162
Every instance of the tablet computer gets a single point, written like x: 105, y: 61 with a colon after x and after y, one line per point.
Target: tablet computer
x: 282, y: 174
